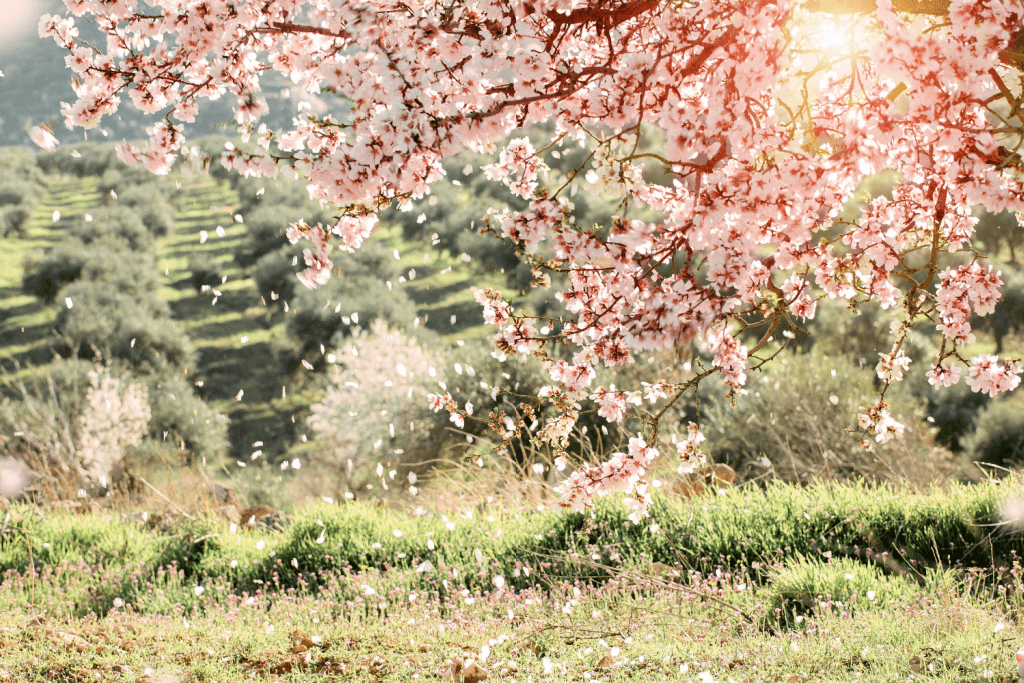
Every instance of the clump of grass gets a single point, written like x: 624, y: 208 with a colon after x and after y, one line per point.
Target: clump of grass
x: 803, y: 585
x: 879, y: 530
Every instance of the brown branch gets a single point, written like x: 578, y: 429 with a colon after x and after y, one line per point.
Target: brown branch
x: 601, y: 15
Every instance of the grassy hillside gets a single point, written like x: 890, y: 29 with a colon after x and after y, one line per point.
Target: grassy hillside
x: 233, y: 331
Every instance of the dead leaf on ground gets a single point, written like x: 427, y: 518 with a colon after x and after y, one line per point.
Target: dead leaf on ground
x: 473, y: 673
x: 456, y: 669
x: 161, y: 678
x: 71, y: 640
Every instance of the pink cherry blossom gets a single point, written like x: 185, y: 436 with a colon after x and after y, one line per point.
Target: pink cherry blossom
x: 43, y: 138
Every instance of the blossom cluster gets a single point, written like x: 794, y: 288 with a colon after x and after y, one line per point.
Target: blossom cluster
x: 877, y: 421
x: 622, y: 472
x: 690, y: 452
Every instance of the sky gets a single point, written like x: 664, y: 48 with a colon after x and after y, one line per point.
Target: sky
x: 20, y: 19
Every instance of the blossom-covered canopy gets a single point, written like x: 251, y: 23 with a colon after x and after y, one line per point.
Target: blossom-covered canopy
x: 740, y: 128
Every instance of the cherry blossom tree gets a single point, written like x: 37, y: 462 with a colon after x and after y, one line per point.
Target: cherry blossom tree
x: 742, y: 127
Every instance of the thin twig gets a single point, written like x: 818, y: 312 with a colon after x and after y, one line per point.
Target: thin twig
x: 159, y: 493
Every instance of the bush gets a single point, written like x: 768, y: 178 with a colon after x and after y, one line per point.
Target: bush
x: 137, y: 329
x: 275, y: 274
x: 73, y: 427
x: 954, y: 410
x: 148, y: 203
x: 995, y: 229
x: 796, y: 423
x: 21, y: 185
x: 452, y: 211
x: 184, y: 419
x: 277, y: 193
x: 113, y: 420
x: 13, y: 192
x: 19, y: 163
x: 102, y: 262
x: 377, y: 397
x: 375, y: 410
x: 45, y: 276
x: 802, y: 585
x: 835, y: 332
x: 94, y: 160
x: 14, y: 220
x: 1009, y: 313
x: 204, y: 272
x: 116, y: 227
x: 264, y: 233
x: 320, y: 314
x: 998, y: 437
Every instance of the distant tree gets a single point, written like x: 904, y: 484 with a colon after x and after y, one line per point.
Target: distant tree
x: 204, y: 272
x: 115, y: 325
x: 116, y: 227
x: 149, y: 204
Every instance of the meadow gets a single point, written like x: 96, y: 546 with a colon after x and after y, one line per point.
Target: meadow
x: 869, y: 575
x: 830, y: 583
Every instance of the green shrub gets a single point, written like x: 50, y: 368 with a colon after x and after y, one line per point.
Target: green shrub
x: 798, y: 423
x: 998, y: 437
x: 281, y: 192
x: 319, y: 314
x: 836, y: 331
x: 996, y: 229
x: 13, y: 192
x: 275, y: 274
x: 148, y: 203
x: 121, y: 179
x: 19, y: 163
x: 954, y: 411
x: 102, y: 262
x: 14, y: 220
x: 453, y: 211
x: 488, y: 252
x: 1009, y: 313
x: 264, y: 233
x: 116, y: 227
x: 184, y: 419
x: 45, y: 276
x: 134, y: 328
x: 204, y: 272
x: 93, y: 160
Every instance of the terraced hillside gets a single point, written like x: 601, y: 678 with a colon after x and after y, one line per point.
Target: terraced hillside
x: 232, y: 329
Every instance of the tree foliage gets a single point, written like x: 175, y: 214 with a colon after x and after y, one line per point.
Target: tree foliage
x: 731, y: 136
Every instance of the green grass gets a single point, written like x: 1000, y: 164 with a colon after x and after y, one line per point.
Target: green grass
x: 102, y: 595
